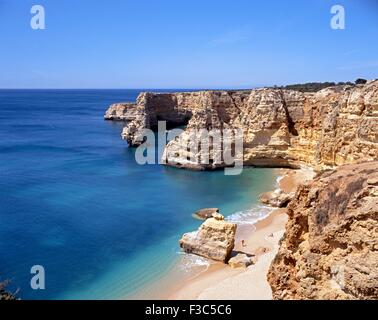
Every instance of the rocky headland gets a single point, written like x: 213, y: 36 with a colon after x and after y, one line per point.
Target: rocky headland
x: 282, y: 128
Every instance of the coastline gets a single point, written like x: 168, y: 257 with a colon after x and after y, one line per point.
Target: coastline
x: 312, y: 129
x: 214, y: 280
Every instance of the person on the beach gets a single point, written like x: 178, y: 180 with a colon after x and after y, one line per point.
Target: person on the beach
x: 243, y: 243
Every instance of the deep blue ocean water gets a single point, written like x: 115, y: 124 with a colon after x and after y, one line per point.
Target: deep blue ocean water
x: 73, y: 199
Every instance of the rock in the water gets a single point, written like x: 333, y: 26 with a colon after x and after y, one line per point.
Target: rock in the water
x: 214, y: 239
x: 241, y: 260
x: 206, y: 213
x: 276, y: 198
x: 330, y: 249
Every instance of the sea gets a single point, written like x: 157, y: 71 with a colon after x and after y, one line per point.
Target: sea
x: 74, y: 201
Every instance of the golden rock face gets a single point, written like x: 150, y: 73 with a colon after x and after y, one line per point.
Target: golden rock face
x: 335, y: 126
x: 330, y: 249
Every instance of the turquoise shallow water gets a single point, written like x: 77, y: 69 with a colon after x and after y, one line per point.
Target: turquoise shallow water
x: 73, y: 199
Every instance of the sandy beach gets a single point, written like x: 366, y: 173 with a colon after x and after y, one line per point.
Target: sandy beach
x: 219, y: 281
x: 222, y: 282
x: 292, y: 178
x: 260, y: 240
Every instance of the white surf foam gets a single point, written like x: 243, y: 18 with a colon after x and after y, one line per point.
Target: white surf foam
x: 250, y: 216
x: 278, y: 180
x: 190, y: 261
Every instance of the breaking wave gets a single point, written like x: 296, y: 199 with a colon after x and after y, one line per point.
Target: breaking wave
x: 250, y: 216
x: 190, y: 261
x: 278, y: 180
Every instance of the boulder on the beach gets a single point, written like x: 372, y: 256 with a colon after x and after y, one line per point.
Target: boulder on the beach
x: 214, y: 239
x: 241, y: 260
x: 206, y: 213
x: 276, y: 198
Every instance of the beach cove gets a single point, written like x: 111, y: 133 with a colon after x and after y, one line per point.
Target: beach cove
x: 209, y: 280
x: 75, y: 201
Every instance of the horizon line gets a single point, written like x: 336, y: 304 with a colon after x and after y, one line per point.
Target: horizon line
x: 242, y: 87
x: 199, y: 88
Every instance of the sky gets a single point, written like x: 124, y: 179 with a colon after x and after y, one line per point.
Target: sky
x: 185, y: 44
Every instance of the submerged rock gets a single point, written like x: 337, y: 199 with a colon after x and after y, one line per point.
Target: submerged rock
x: 214, y: 239
x: 330, y: 249
x: 205, y: 213
x: 241, y: 260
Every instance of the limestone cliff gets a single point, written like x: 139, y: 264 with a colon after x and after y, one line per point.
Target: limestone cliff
x: 337, y: 125
x: 330, y: 249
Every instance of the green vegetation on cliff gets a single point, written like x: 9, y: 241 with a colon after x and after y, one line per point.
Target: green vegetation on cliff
x: 317, y: 86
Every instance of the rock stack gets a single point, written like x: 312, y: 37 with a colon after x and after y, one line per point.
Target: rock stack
x: 214, y: 239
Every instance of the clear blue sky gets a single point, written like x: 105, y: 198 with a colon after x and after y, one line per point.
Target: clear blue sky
x: 185, y: 44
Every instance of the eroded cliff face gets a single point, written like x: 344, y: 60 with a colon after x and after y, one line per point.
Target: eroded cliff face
x: 334, y: 126
x: 330, y: 249
x: 176, y: 109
